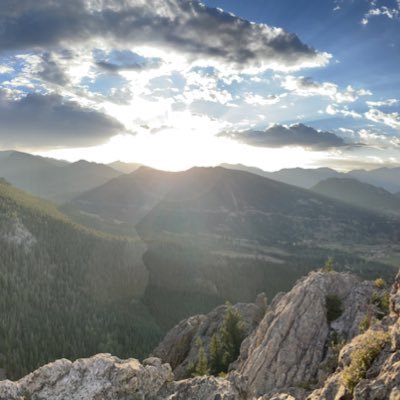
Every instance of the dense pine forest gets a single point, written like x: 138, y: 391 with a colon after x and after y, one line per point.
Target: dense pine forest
x: 66, y: 291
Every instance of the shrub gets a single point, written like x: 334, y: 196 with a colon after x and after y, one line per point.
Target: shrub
x: 382, y: 302
x: 362, y: 358
x: 333, y: 307
x: 328, y: 266
x: 380, y: 283
x: 335, y: 344
x: 365, y: 324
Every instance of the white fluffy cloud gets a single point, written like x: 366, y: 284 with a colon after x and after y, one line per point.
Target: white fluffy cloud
x: 389, y: 119
x: 305, y: 86
x: 382, y: 103
x: 344, y: 111
x: 377, y: 10
x: 377, y: 139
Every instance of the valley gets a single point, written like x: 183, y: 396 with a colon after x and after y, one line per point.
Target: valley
x: 149, y: 248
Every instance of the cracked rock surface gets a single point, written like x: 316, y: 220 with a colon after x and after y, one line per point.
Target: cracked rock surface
x: 284, y: 356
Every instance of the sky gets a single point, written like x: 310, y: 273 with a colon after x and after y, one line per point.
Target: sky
x: 177, y: 83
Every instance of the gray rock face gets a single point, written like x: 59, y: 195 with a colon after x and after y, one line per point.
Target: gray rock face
x: 201, y: 388
x: 100, y: 377
x: 179, y: 346
x: 280, y: 359
x: 382, y: 379
x: 176, y: 345
x: 289, y: 345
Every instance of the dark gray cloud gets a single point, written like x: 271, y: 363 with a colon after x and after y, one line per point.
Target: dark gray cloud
x: 43, y: 121
x: 51, y: 71
x: 184, y: 26
x: 281, y: 136
x: 114, y: 68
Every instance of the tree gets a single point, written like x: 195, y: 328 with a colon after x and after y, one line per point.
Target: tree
x: 216, y: 354
x: 232, y: 334
x: 201, y: 367
x: 328, y: 266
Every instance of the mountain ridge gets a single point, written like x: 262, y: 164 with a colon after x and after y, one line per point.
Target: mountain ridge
x: 360, y: 194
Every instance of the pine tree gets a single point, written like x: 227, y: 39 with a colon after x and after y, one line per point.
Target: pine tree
x: 201, y: 368
x: 216, y: 354
x: 231, y: 335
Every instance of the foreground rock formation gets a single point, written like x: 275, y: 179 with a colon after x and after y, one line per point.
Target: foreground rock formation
x: 295, y: 349
x: 290, y: 346
x: 179, y: 346
x: 99, y: 377
x: 382, y: 377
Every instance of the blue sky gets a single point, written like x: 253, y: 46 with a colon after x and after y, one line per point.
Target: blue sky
x: 177, y: 83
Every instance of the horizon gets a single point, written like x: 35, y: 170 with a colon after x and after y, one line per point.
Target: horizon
x: 303, y: 84
x: 222, y: 165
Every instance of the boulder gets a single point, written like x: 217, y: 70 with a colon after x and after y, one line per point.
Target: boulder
x: 99, y: 377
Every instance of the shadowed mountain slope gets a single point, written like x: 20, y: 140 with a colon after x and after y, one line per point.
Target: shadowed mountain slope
x: 359, y: 194
x: 52, y: 179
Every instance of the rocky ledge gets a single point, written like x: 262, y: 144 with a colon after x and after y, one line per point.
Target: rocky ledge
x: 331, y: 337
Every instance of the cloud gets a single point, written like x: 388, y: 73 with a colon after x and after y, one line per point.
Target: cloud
x: 188, y: 28
x: 389, y: 119
x: 305, y: 86
x: 258, y: 100
x: 376, y: 139
x: 51, y: 71
x: 382, y: 11
x: 116, y: 61
x: 282, y: 136
x: 45, y: 121
x: 345, y: 112
x: 6, y: 69
x: 382, y: 103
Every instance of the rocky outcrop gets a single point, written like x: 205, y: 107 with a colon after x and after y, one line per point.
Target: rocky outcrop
x: 100, y: 377
x: 381, y: 380
x: 284, y: 357
x: 202, y: 388
x: 179, y: 347
x: 291, y: 343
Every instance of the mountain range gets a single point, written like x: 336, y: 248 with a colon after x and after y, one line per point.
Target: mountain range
x: 52, y: 179
x: 224, y: 234
x: 140, y: 251
x: 386, y: 178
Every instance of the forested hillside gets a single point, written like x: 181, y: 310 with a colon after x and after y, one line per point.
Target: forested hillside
x: 215, y: 234
x: 66, y: 291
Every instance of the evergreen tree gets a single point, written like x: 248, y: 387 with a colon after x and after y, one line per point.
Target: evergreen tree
x: 201, y: 368
x: 232, y: 334
x: 216, y: 354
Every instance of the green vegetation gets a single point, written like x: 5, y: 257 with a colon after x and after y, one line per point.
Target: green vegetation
x: 66, y: 291
x: 362, y: 358
x: 365, y: 323
x: 328, y: 267
x: 231, y: 336
x: 333, y: 307
x: 201, y: 367
x: 335, y: 344
x: 224, y: 347
x: 380, y: 283
x: 382, y: 301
